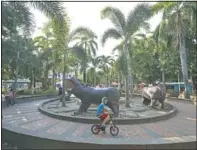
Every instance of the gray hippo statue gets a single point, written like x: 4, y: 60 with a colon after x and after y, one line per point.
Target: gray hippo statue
x: 90, y: 95
x: 156, y: 93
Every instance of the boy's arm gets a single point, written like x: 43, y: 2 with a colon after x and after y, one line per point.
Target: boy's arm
x: 105, y: 110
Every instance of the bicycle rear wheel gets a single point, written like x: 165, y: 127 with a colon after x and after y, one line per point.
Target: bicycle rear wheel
x: 95, y: 129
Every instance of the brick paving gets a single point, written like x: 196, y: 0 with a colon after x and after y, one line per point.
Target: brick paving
x: 27, y: 119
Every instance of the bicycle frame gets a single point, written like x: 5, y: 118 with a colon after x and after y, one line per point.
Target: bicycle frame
x: 109, y: 122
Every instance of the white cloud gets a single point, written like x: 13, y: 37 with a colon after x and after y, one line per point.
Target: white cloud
x: 88, y: 14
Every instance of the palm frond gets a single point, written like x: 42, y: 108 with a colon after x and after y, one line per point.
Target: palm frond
x: 86, y: 32
x: 156, y: 34
x: 93, y: 49
x: 145, y: 26
x: 110, y: 33
x: 140, y: 35
x: 158, y: 7
x: 79, y: 51
x: 53, y: 10
x: 95, y: 44
x: 59, y: 19
x: 116, y: 17
x: 137, y: 17
x: 117, y: 47
x: 25, y: 16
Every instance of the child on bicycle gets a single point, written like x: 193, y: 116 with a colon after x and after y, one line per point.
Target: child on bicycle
x: 103, y: 113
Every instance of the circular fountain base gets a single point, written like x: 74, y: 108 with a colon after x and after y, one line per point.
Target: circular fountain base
x: 137, y: 113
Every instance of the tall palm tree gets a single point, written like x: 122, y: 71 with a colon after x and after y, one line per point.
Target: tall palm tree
x: 175, y: 21
x: 85, y: 37
x: 124, y: 29
x: 105, y: 64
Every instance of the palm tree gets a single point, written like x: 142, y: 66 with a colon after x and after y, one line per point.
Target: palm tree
x: 85, y: 37
x: 175, y: 21
x: 105, y: 64
x: 17, y: 15
x: 95, y: 63
x: 124, y: 29
x: 24, y: 18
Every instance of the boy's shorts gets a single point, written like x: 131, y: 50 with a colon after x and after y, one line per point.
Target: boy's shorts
x: 103, y: 116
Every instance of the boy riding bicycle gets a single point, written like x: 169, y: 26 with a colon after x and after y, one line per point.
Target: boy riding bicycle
x: 103, y: 113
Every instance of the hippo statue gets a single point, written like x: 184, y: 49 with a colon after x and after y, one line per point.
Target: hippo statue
x: 156, y: 93
x: 90, y: 95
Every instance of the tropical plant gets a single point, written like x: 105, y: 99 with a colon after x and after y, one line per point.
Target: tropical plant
x: 124, y: 30
x: 175, y: 21
x: 84, y: 37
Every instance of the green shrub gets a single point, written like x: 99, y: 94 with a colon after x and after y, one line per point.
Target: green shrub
x: 27, y: 92
x: 174, y: 94
x: 3, y: 90
x: 50, y: 91
x: 169, y: 91
x: 37, y: 92
x: 20, y: 92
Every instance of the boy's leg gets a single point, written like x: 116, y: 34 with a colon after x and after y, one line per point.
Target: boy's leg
x: 106, y: 119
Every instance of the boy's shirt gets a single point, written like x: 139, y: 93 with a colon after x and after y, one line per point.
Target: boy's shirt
x: 100, y: 109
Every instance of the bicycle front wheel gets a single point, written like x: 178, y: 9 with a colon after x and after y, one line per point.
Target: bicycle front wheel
x: 114, y: 130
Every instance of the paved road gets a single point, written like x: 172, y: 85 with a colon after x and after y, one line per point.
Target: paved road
x: 25, y: 118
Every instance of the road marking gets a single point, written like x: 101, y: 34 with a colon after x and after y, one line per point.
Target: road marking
x: 194, y: 119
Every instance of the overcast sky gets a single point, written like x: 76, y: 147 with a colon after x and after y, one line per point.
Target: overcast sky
x: 88, y: 14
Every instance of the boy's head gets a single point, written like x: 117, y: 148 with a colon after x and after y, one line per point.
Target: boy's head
x: 104, y: 100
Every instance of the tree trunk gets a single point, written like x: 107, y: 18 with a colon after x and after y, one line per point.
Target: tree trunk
x: 76, y: 73
x: 194, y: 83
x: 45, y: 79
x: 64, y: 83
x: 183, y: 57
x: 16, y: 75
x: 53, y: 80
x: 30, y: 85
x: 127, y: 104
x: 163, y: 77
x: 95, y: 77
x: 33, y: 81
x: 178, y: 82
x: 107, y: 77
x: 130, y: 85
x: 84, y: 76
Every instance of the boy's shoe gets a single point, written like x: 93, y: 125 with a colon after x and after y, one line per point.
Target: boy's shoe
x: 102, y: 128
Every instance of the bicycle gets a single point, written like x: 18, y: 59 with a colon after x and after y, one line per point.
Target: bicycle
x: 114, y: 130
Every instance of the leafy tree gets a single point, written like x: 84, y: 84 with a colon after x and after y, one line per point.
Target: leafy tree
x: 175, y: 20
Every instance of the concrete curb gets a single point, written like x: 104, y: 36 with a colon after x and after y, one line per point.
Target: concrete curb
x: 38, y: 142
x: 173, y: 99
x: 25, y: 99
